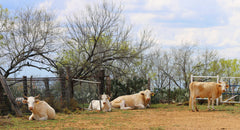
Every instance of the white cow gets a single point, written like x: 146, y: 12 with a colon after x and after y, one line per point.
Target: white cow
x: 40, y: 109
x: 139, y: 100
x: 19, y: 100
x: 105, y: 104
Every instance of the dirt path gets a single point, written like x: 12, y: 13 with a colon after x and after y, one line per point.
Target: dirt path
x: 158, y: 119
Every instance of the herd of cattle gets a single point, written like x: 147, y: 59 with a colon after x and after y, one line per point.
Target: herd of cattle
x: 41, y: 110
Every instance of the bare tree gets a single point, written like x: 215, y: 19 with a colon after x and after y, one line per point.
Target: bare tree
x: 26, y: 36
x: 30, y: 37
x: 100, y: 39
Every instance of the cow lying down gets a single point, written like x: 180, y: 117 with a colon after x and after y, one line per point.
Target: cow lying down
x: 210, y: 90
x: 40, y: 109
x: 139, y: 100
x: 105, y: 104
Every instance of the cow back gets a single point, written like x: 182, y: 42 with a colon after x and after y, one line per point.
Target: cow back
x: 205, y: 89
x: 41, y: 108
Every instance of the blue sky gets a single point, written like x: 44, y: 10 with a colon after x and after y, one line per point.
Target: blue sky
x: 209, y: 23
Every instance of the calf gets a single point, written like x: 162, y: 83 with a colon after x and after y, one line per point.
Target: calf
x: 210, y: 90
x: 105, y: 104
x: 139, y: 100
x: 19, y: 100
x: 40, y: 109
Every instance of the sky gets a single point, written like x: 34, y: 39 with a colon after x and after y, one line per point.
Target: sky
x: 214, y: 24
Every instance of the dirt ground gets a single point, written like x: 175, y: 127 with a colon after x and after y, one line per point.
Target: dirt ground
x: 179, y: 118
x: 161, y: 119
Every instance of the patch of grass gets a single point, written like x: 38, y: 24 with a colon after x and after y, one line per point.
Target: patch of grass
x: 126, y: 111
x: 156, y: 128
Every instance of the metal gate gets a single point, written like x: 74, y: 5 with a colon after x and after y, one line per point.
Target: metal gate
x: 233, y: 92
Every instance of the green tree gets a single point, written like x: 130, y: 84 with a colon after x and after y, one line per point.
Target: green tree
x: 225, y: 67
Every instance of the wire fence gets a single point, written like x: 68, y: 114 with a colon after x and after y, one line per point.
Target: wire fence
x: 52, y: 90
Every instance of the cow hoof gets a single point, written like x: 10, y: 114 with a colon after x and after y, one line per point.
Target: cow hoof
x: 193, y: 111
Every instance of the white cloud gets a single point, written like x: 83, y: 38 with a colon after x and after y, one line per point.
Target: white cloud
x: 213, y: 24
x: 46, y: 4
x: 141, y: 18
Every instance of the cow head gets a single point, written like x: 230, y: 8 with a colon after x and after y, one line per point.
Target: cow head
x: 30, y: 101
x: 105, y: 98
x: 147, y: 95
x: 224, y: 86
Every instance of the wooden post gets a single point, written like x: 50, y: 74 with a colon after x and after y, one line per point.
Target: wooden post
x: 149, y: 83
x: 31, y: 86
x: 25, y: 90
x: 108, y: 84
x: 47, y: 91
x: 63, y: 84
x: 169, y: 92
x: 10, y: 96
x: 101, y: 79
x: 70, y: 82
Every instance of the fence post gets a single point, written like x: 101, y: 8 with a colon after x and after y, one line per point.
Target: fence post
x: 63, y: 85
x: 31, y: 87
x: 108, y: 84
x: 149, y: 83
x: 25, y: 90
x: 47, y: 91
x: 191, y: 78
x: 169, y: 92
x: 70, y: 83
x: 100, y: 78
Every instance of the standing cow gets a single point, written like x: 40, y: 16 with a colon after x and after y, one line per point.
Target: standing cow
x: 40, y: 109
x: 210, y: 90
x: 139, y: 100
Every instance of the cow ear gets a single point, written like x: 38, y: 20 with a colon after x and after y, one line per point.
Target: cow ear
x: 227, y: 86
x: 142, y: 93
x: 37, y: 101
x: 108, y: 97
x: 24, y: 101
x: 152, y: 94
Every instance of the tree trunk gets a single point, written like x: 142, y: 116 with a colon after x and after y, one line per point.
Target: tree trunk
x: 10, y: 96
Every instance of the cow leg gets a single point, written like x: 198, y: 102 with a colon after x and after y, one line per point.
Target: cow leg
x: 209, y: 100
x: 192, y: 104
x: 43, y: 118
x: 31, y: 117
x: 90, y: 106
x: 140, y: 106
x: 213, y: 103
x: 122, y: 106
x: 195, y: 104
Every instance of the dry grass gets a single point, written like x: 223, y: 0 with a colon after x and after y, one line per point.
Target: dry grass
x: 160, y: 116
